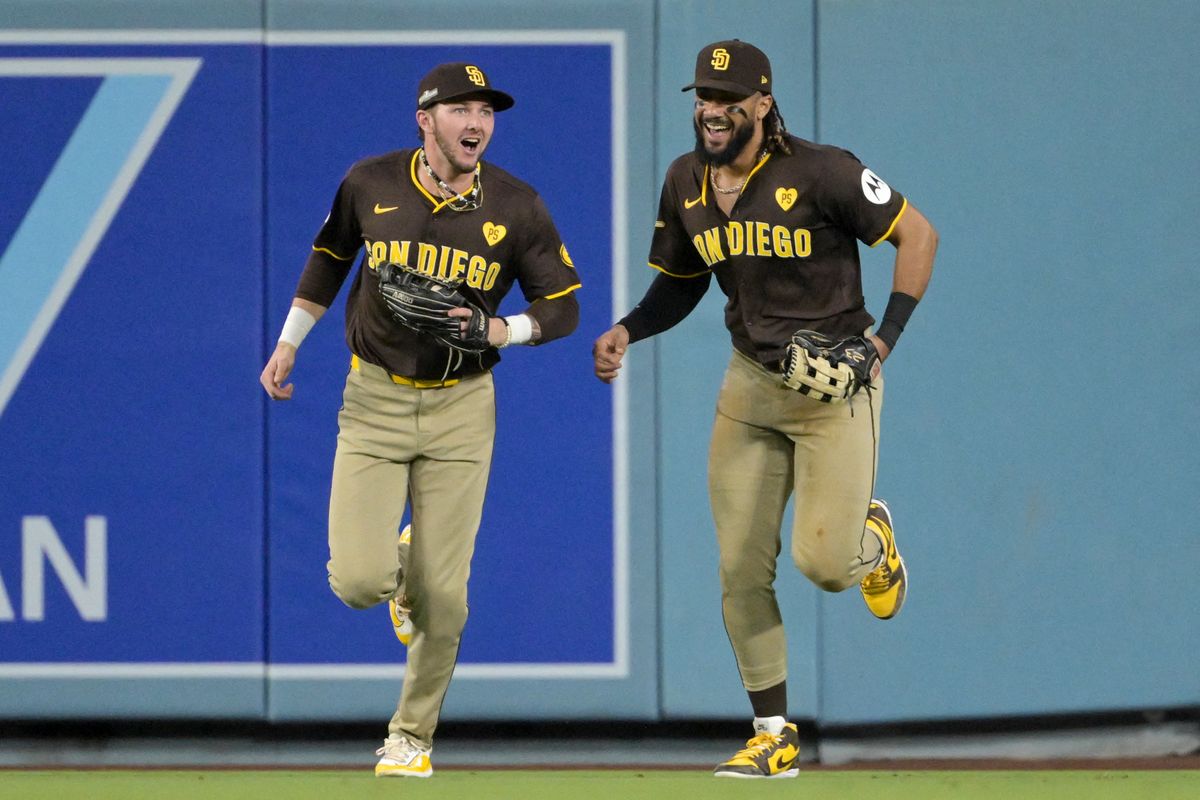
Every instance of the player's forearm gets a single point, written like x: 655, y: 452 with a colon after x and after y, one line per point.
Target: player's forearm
x: 916, y: 244
x: 553, y: 319
x: 322, y: 278
x: 667, y: 302
x: 315, y: 309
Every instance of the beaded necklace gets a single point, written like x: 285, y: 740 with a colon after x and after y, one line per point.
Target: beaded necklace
x: 456, y: 201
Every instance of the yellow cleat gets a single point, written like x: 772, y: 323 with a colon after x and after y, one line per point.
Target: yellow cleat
x: 885, y: 586
x: 767, y: 755
x: 401, y: 623
x: 402, y: 758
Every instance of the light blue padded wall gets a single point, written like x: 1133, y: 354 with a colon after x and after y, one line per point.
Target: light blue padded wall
x: 1041, y: 427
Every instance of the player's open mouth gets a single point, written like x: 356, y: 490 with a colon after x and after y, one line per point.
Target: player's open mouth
x: 471, y: 145
x: 718, y: 126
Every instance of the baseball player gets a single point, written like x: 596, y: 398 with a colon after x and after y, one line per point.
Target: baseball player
x: 777, y: 220
x: 418, y: 414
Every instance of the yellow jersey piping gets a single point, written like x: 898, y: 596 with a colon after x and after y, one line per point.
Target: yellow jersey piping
x: 676, y: 275
x: 412, y: 172
x: 892, y: 227
x: 757, y: 167
x: 330, y: 252
x: 566, y: 291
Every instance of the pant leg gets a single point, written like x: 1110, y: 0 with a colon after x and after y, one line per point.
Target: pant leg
x: 836, y: 452
x: 750, y: 478
x: 377, y: 439
x: 447, y: 486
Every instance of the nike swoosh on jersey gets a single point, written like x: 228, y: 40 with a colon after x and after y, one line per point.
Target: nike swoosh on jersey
x: 381, y: 210
x: 690, y: 203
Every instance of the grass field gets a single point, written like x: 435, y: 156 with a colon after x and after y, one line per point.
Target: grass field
x: 597, y: 785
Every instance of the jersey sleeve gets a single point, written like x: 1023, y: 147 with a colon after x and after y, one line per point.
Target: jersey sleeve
x: 671, y: 251
x: 545, y: 269
x: 858, y: 200
x: 333, y: 252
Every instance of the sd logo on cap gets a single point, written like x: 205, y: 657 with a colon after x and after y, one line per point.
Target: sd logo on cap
x: 459, y: 81
x: 732, y: 66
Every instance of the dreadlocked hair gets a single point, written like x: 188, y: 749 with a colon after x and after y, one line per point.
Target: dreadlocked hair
x: 776, y: 133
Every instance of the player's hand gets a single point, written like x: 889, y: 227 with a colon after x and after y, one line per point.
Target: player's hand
x: 277, y: 371
x: 497, y: 329
x: 881, y: 346
x: 608, y: 351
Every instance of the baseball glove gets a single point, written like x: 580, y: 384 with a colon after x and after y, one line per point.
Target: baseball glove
x: 825, y: 370
x: 420, y: 302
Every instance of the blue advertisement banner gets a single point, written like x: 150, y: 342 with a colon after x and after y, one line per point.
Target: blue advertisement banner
x: 154, y: 509
x: 542, y: 582
x: 131, y: 430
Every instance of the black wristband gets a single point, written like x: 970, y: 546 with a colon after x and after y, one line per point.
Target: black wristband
x: 899, y: 308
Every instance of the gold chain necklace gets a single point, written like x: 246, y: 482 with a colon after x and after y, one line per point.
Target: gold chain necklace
x: 456, y: 201
x: 712, y: 178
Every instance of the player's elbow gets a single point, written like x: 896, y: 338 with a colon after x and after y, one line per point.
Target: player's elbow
x: 556, y: 318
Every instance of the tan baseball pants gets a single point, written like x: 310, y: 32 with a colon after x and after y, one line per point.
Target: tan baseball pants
x: 769, y: 442
x: 396, y: 441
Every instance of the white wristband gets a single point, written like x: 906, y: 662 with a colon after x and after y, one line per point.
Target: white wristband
x: 297, y: 325
x: 520, y: 329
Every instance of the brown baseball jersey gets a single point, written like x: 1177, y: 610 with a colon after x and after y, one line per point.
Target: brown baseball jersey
x: 381, y: 206
x: 786, y: 256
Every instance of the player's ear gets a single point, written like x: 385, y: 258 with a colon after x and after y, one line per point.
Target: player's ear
x: 424, y: 121
x: 764, y: 106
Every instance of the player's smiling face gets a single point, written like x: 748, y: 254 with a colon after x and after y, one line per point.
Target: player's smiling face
x: 460, y: 132
x: 724, y: 123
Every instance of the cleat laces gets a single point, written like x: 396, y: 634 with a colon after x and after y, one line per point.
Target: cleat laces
x: 879, y: 580
x: 759, y: 745
x: 401, y: 750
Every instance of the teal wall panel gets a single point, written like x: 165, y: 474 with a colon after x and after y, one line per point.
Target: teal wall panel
x: 1041, y: 487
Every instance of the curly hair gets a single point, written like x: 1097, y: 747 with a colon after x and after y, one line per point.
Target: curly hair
x: 774, y: 131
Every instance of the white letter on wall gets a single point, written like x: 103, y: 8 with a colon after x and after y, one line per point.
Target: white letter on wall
x: 6, y: 609
x: 90, y: 594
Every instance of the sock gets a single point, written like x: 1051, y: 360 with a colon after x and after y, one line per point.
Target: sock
x: 771, y: 725
x: 769, y: 702
x: 872, y: 547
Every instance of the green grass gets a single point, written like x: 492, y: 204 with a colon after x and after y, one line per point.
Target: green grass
x: 597, y: 785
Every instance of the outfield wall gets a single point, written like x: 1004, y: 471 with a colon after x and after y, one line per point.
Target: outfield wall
x: 162, y: 525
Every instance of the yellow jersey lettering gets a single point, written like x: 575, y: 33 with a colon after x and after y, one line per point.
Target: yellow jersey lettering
x: 733, y: 232
x: 458, y: 265
x: 443, y: 267
x: 802, y: 240
x: 698, y: 241
x: 490, y: 279
x: 762, y: 238
x: 782, y: 241
x: 476, y: 272
x: 426, y: 258
x: 394, y: 252
x: 750, y: 251
x: 712, y: 240
x: 378, y: 254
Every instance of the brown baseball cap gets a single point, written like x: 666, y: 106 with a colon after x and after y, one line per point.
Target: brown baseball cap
x: 732, y: 66
x: 456, y: 80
